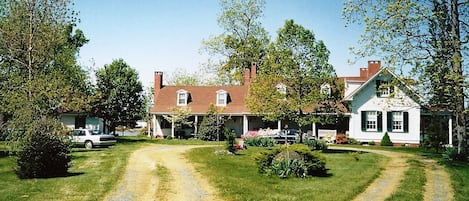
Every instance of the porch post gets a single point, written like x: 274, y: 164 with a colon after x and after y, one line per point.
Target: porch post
x: 314, y: 130
x: 154, y: 125
x: 245, y: 124
x: 279, y: 125
x: 172, y: 130
x: 196, y: 120
x: 450, y: 131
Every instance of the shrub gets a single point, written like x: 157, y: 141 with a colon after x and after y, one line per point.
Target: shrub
x: 451, y: 153
x: 44, y: 152
x: 230, y: 136
x: 386, y: 141
x: 353, y: 141
x: 372, y: 143
x: 291, y: 160
x: 341, y: 139
x: 260, y: 142
x: 316, y: 144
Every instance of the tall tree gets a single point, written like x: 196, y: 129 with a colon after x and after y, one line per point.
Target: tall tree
x: 121, y: 94
x: 243, y: 41
x: 431, y: 36
x: 37, y: 63
x: 181, y: 77
x: 297, y: 78
x: 37, y: 58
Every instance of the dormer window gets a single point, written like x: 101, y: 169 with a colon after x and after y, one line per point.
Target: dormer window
x: 326, y: 89
x: 383, y: 88
x: 222, y: 97
x: 281, y: 88
x: 182, y: 97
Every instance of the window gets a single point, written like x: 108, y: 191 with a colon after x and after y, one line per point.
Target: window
x: 221, y: 98
x: 326, y: 89
x: 182, y: 97
x: 371, y: 121
x: 398, y: 121
x: 281, y: 88
x: 383, y: 88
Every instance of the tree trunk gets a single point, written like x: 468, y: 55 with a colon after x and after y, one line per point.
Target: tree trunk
x: 457, y: 70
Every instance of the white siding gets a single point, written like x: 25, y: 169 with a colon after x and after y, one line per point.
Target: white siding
x: 351, y: 86
x: 366, y: 100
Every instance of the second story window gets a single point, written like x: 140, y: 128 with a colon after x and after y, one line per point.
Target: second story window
x: 383, y: 88
x: 326, y: 89
x: 222, y: 97
x: 281, y: 88
x: 182, y: 96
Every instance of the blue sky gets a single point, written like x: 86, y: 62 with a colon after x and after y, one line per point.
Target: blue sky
x: 162, y: 35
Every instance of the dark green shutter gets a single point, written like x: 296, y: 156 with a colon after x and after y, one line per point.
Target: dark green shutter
x: 363, y: 121
x: 389, y: 121
x: 380, y: 121
x: 378, y: 91
x: 406, y: 122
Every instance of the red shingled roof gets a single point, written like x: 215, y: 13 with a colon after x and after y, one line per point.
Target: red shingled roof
x: 200, y: 99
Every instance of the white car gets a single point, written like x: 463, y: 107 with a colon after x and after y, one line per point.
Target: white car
x: 91, y: 138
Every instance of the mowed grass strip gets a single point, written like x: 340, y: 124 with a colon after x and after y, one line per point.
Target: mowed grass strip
x: 164, y: 183
x: 236, y: 176
x: 93, y: 173
x: 459, y: 172
x: 412, y: 185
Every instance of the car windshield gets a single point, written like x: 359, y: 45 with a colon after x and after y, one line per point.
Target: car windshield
x: 96, y: 132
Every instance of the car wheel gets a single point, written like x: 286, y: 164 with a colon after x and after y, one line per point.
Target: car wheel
x: 88, y: 144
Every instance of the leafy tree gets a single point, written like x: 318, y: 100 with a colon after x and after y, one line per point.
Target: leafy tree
x: 179, y: 117
x: 121, y: 94
x: 431, y: 36
x: 180, y: 77
x: 39, y: 78
x: 243, y: 41
x: 211, y: 126
x: 289, y: 86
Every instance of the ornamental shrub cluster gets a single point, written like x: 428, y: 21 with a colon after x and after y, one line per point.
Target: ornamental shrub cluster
x: 296, y: 160
x: 44, y: 153
x: 260, y: 142
x: 316, y: 144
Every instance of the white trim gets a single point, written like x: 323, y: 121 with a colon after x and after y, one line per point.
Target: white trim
x: 222, y: 94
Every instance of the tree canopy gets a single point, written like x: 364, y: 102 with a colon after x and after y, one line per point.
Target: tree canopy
x: 121, y: 99
x: 296, y: 72
x: 243, y: 41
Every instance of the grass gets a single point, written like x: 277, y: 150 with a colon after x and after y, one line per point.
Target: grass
x: 459, y: 172
x: 93, y: 174
x: 163, y: 183
x: 348, y: 177
x: 412, y: 185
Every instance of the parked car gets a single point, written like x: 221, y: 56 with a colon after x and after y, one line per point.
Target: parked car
x: 91, y: 138
x: 287, y: 135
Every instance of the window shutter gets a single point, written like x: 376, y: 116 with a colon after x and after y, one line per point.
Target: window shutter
x: 389, y: 121
x: 380, y: 121
x: 378, y: 91
x: 363, y: 120
x: 406, y: 122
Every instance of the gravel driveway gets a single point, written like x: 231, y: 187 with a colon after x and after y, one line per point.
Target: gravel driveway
x: 140, y: 181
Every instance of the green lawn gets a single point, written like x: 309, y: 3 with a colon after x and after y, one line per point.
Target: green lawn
x: 236, y: 176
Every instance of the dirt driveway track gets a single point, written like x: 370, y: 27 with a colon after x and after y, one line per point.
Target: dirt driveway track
x: 141, y: 182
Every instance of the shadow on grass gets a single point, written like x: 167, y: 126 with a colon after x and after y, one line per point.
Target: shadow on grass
x: 82, y: 150
x: 69, y: 174
x: 340, y: 151
x: 131, y: 140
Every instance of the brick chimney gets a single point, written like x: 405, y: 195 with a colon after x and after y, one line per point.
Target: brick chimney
x: 373, y: 67
x: 253, y: 71
x: 158, y: 83
x: 247, y: 76
x: 363, y: 73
